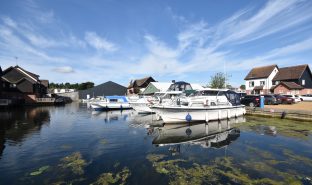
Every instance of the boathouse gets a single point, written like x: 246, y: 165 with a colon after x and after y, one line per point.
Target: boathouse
x: 137, y: 86
x: 156, y: 87
x: 18, y: 83
x: 105, y: 89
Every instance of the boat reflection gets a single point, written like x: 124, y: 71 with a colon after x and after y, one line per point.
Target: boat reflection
x: 18, y: 124
x: 215, y: 134
x: 110, y: 116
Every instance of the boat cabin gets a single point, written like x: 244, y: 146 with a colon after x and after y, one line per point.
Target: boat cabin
x: 116, y: 99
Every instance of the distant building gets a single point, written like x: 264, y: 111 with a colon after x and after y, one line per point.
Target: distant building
x: 57, y: 91
x: 17, y: 83
x: 138, y: 85
x: 156, y: 87
x: 297, y: 78
x: 272, y: 79
x: 259, y: 79
x: 106, y: 89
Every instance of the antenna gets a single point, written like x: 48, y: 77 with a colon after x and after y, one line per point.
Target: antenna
x: 16, y: 58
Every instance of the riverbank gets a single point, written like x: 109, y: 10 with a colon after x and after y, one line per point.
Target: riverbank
x: 300, y: 111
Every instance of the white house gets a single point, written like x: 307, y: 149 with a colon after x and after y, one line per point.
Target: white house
x: 259, y: 80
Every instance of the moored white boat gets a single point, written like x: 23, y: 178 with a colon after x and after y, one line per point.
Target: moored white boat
x: 111, y: 103
x: 225, y: 105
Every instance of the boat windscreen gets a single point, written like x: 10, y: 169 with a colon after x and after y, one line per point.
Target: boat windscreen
x: 232, y: 97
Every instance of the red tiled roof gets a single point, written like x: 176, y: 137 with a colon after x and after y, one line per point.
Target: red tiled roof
x: 140, y: 82
x: 290, y: 73
x: 260, y: 72
x: 290, y: 85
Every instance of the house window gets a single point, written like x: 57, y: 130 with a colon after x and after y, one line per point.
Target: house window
x: 303, y: 82
x: 276, y: 83
x: 262, y: 82
x: 251, y: 84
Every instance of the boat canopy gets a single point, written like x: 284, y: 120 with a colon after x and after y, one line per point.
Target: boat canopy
x: 180, y: 86
x: 232, y: 97
x: 123, y: 98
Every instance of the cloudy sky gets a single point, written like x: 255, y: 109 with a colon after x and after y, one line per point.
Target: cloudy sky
x: 119, y: 40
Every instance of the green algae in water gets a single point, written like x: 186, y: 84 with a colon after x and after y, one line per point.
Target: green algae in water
x: 111, y: 178
x: 116, y: 164
x: 155, y: 157
x: 40, y: 170
x: 74, y: 163
x: 220, y: 170
x: 288, y: 128
x: 103, y: 141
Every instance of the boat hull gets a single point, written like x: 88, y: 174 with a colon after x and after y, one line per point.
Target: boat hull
x: 179, y: 114
x: 141, y: 108
x: 110, y: 106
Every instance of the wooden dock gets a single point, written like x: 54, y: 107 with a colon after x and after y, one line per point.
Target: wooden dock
x: 302, y: 115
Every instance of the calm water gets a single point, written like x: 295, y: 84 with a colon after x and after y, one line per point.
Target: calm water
x: 73, y: 145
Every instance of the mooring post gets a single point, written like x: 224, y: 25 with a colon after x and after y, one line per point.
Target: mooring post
x: 261, y: 102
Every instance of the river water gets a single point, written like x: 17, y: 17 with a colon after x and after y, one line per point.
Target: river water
x: 73, y: 145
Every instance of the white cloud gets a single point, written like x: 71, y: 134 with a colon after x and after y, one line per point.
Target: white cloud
x: 8, y: 21
x: 64, y: 69
x: 99, y: 43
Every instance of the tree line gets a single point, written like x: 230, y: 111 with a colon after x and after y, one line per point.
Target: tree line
x: 67, y: 85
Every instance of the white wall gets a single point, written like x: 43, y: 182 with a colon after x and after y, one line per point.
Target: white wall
x: 268, y: 81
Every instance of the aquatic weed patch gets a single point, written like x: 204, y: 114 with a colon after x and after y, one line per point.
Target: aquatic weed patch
x: 74, y: 163
x: 113, y: 178
x: 40, y: 170
x: 223, y: 170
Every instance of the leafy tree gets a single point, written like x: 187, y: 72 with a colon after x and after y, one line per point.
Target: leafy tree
x: 218, y: 80
x: 243, y: 87
x: 67, y: 85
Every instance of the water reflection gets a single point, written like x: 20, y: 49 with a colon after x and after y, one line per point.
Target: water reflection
x: 17, y: 124
x: 115, y: 115
x: 215, y: 134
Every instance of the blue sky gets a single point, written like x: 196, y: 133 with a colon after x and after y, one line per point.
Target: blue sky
x: 119, y: 40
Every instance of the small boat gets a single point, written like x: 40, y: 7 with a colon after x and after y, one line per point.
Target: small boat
x: 224, y: 104
x: 143, y: 104
x: 111, y: 103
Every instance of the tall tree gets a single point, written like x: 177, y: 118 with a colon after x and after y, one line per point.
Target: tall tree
x: 218, y: 81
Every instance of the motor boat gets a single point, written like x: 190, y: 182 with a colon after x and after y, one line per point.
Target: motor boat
x: 224, y: 104
x: 111, y: 103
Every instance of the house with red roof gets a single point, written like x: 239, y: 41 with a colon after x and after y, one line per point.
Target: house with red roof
x: 272, y: 79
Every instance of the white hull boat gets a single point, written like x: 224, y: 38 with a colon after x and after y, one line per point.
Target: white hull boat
x: 202, y: 111
x: 142, y: 105
x: 111, y: 103
x: 194, y: 114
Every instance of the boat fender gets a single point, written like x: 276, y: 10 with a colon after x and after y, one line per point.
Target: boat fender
x: 188, y: 131
x: 188, y: 117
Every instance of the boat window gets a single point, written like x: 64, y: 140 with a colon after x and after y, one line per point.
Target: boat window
x: 113, y: 100
x: 232, y: 97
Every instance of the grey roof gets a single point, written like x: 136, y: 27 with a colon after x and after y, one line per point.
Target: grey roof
x: 107, y: 89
